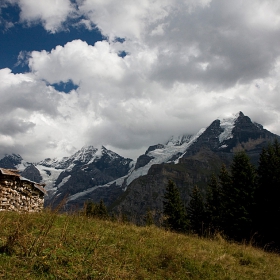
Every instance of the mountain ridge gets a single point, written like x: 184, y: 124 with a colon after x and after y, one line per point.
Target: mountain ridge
x: 97, y: 173
x: 214, y: 146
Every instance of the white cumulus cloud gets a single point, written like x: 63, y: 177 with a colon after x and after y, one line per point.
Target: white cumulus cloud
x: 51, y: 14
x: 187, y: 62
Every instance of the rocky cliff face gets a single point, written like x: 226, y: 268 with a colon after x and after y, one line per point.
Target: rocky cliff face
x: 32, y: 173
x: 146, y: 192
x: 86, y: 174
x: 227, y: 136
x: 10, y: 161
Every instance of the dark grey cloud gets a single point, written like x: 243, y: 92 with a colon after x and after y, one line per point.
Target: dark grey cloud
x: 12, y: 126
x: 221, y: 35
x: 31, y: 97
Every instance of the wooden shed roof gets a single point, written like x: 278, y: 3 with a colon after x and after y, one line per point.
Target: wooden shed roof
x: 14, y: 172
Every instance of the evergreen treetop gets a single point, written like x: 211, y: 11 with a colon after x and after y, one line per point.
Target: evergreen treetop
x: 196, y: 211
x: 173, y: 209
x: 268, y: 194
x: 213, y: 205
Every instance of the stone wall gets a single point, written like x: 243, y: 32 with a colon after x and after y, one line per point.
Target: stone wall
x: 20, y: 196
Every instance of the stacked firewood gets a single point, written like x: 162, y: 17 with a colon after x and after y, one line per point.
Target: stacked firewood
x: 20, y: 196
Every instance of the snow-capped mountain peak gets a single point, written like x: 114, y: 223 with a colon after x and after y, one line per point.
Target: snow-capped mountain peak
x: 96, y: 172
x: 11, y: 161
x: 85, y: 154
x: 53, y: 162
x: 227, y: 124
x: 109, y: 153
x: 172, y: 151
x: 14, y: 157
x: 178, y: 140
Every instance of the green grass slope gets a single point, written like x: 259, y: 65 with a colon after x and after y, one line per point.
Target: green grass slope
x: 52, y: 246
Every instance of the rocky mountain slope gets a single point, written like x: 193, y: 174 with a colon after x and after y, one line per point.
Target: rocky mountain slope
x: 199, y: 157
x: 86, y: 175
x: 10, y: 161
x: 80, y: 175
x: 134, y: 188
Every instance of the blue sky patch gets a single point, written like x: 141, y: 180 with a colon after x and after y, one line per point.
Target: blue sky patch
x: 22, y: 38
x: 65, y: 87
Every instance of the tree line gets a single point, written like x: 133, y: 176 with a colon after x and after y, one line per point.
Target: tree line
x: 241, y: 202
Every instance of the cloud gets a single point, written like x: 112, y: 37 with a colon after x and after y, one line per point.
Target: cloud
x: 129, y: 19
x: 81, y: 60
x: 217, y: 46
x: 22, y: 59
x: 212, y: 43
x: 187, y: 62
x: 5, y: 23
x: 23, y: 92
x: 121, y: 19
x: 23, y: 98
x: 10, y: 126
x: 51, y: 14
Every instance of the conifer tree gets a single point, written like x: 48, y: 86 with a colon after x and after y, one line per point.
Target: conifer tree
x: 268, y: 194
x: 238, y: 192
x: 101, y: 210
x: 96, y: 210
x: 173, y: 209
x: 213, y: 205
x: 243, y: 189
x: 225, y: 187
x: 196, y: 212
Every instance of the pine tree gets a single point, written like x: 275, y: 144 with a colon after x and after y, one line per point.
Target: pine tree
x: 96, y: 210
x: 243, y: 175
x: 268, y: 194
x: 196, y: 211
x: 238, y: 192
x: 101, y: 210
x: 225, y: 187
x: 213, y: 205
x: 173, y: 209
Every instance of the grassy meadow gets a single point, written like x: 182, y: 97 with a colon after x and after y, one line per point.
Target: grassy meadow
x: 54, y: 246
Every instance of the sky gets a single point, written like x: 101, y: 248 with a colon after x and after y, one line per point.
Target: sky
x: 129, y: 74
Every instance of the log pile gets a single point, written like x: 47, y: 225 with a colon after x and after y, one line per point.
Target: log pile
x: 18, y: 194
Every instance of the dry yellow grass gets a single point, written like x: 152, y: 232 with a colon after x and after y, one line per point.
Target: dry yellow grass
x: 51, y: 246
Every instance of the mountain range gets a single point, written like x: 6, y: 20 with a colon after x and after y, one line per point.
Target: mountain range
x: 135, y: 187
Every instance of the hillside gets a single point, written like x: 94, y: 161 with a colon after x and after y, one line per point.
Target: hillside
x: 51, y: 246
